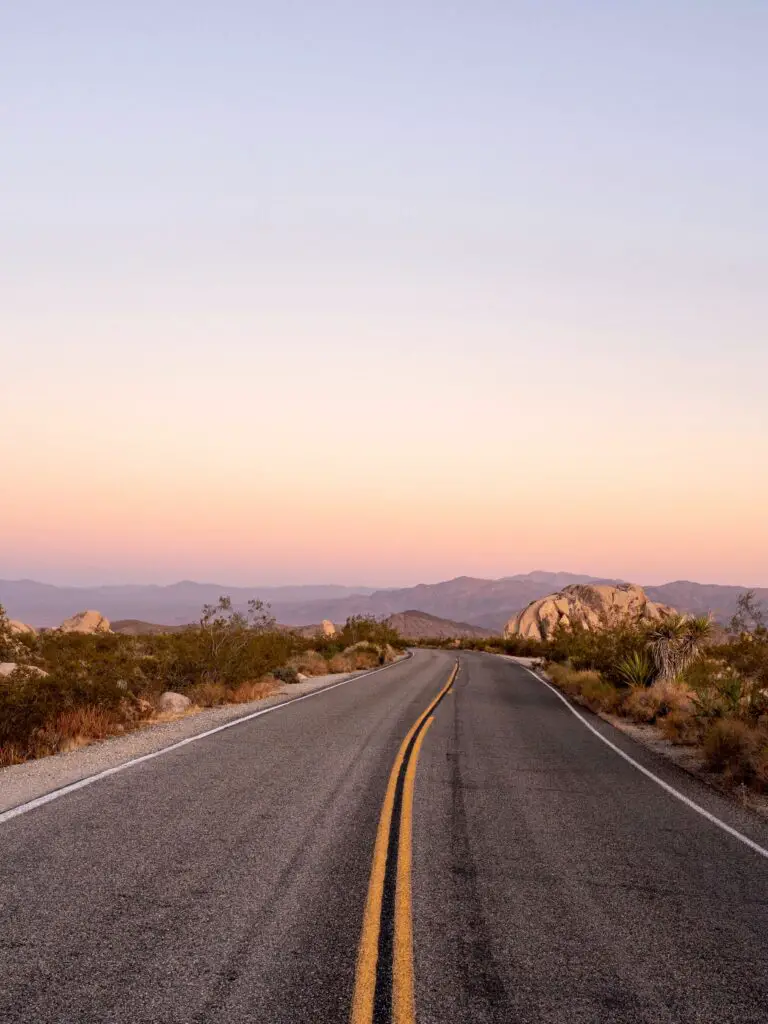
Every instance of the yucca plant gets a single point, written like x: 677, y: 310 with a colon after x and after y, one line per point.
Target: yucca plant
x: 637, y: 669
x: 677, y: 642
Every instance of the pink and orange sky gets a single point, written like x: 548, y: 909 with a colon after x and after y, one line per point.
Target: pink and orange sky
x: 383, y: 296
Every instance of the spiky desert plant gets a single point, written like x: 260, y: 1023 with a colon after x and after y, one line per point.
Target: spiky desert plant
x: 677, y: 642
x: 637, y: 669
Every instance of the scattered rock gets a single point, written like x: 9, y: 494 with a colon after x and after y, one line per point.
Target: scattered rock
x: 593, y: 605
x: 174, y: 702
x: 7, y: 667
x: 21, y: 627
x: 86, y: 622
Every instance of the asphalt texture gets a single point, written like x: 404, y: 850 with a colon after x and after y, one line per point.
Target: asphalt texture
x: 226, y: 880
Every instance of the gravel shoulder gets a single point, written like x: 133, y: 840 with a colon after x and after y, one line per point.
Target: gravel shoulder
x: 22, y: 782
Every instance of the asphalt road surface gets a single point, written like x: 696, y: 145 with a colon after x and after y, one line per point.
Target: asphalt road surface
x: 407, y: 846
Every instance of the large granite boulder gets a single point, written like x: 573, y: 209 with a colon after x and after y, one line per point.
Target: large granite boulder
x: 593, y: 606
x: 20, y: 627
x: 86, y: 622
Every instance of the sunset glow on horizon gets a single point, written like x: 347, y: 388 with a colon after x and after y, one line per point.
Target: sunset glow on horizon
x: 300, y: 299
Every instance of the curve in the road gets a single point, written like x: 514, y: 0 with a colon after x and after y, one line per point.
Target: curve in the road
x: 659, y: 782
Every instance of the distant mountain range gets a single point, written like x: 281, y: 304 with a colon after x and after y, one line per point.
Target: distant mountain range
x: 475, y: 602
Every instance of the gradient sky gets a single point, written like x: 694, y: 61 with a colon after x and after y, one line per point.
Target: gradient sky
x: 383, y: 293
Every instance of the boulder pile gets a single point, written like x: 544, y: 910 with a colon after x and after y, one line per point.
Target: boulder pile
x: 593, y: 606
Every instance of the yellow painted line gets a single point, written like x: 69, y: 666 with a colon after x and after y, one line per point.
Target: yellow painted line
x: 403, y: 997
x: 368, y: 949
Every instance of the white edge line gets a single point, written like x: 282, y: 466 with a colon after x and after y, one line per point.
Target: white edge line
x: 47, y: 798
x: 649, y: 774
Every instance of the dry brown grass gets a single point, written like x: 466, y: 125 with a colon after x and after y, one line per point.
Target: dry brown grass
x: 649, y: 703
x: 737, y: 750
x: 69, y: 730
x: 340, y: 663
x: 311, y: 663
x: 682, y: 727
x: 212, y: 695
x: 208, y: 695
x: 586, y: 687
x: 353, y: 661
x: 256, y: 689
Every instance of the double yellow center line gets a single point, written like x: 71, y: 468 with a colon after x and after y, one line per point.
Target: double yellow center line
x: 384, y: 989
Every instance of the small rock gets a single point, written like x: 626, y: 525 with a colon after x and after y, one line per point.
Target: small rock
x: 175, y: 702
x: 301, y: 677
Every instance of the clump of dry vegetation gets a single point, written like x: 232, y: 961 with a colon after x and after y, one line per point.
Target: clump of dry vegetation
x: 70, y: 688
x: 586, y: 687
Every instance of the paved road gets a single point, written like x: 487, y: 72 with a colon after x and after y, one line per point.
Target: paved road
x: 231, y: 880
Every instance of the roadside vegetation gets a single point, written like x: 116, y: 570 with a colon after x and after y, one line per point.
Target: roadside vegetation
x: 71, y: 688
x: 701, y: 685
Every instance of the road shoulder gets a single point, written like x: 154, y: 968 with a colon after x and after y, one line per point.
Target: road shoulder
x: 21, y: 783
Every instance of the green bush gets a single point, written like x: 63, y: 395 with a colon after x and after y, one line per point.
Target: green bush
x: 636, y: 669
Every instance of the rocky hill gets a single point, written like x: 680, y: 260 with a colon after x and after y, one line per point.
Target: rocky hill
x: 415, y: 625
x: 593, y: 606
x: 137, y: 627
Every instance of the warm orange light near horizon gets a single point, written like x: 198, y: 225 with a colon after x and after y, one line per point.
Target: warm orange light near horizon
x: 377, y: 508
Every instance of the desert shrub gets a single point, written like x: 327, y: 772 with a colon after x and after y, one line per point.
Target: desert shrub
x: 651, y: 703
x: 746, y: 655
x: 208, y: 694
x: 682, y: 727
x: 737, y: 749
x: 370, y: 629
x: 340, y: 663
x: 602, y: 651
x: 106, y: 681
x: 73, y: 728
x: 365, y: 659
x: 586, y: 687
x: 519, y: 646
x: 720, y: 691
x: 43, y: 714
x: 636, y: 668
x: 286, y: 674
x: 255, y: 689
x: 310, y: 663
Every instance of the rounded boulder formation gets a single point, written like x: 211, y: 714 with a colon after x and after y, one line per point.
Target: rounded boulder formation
x: 21, y: 627
x: 592, y: 606
x: 86, y: 622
